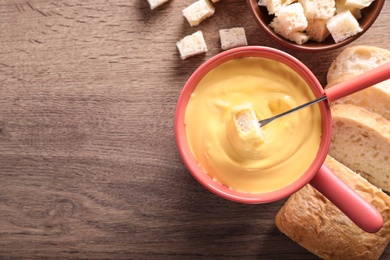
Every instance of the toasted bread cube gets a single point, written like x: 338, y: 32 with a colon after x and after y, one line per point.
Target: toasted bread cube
x: 214, y: 1
x: 292, y: 18
x: 262, y: 3
x: 273, y: 6
x: 198, y: 11
x: 341, y: 6
x: 156, y: 3
x: 317, y: 30
x: 343, y: 26
x: 358, y: 3
x: 192, y: 45
x: 319, y: 9
x: 244, y: 129
x: 297, y: 37
x: 232, y: 37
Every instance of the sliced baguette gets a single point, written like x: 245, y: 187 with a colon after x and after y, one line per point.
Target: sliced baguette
x: 361, y: 141
x: 315, y: 223
x: 356, y: 60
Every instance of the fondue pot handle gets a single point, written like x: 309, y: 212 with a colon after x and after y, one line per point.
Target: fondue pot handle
x: 359, y: 82
x: 362, y: 213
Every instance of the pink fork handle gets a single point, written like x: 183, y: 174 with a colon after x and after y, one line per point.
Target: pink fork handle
x: 362, y: 213
x: 359, y: 82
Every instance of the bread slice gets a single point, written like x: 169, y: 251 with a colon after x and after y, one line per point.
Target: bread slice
x: 192, y: 45
x: 292, y: 18
x: 356, y: 60
x: 319, y: 9
x: 361, y: 141
x: 232, y: 37
x: 156, y: 3
x: 343, y: 25
x: 316, y: 29
x: 198, y: 11
x: 316, y: 224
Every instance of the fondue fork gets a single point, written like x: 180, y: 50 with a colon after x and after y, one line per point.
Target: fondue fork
x: 342, y: 89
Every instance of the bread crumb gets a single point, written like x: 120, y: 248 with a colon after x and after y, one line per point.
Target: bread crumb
x: 192, y: 45
x: 233, y: 37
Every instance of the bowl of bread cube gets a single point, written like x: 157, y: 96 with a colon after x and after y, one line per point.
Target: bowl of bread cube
x: 315, y: 25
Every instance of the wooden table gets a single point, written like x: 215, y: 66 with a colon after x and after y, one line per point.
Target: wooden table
x: 88, y: 161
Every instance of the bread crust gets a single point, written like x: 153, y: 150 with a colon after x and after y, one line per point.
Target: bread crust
x: 316, y: 224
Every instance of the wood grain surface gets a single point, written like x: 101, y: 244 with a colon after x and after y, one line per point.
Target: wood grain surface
x: 88, y: 161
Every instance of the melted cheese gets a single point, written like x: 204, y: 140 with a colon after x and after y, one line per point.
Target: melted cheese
x: 262, y: 161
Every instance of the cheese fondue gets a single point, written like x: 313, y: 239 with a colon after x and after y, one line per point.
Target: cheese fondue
x: 254, y: 160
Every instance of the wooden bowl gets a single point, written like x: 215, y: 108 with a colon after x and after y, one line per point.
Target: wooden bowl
x: 369, y: 15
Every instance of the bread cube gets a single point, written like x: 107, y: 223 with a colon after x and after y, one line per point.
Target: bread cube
x: 214, y: 1
x: 192, y: 45
x: 156, y: 3
x: 243, y: 128
x: 232, y: 37
x: 343, y: 26
x: 319, y: 9
x: 317, y: 30
x: 341, y: 6
x: 198, y: 11
x: 273, y: 6
x: 358, y: 3
x: 262, y: 3
x: 292, y: 18
x: 297, y: 37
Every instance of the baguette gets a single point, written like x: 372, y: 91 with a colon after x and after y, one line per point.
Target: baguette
x: 316, y: 224
x: 356, y: 60
x: 361, y: 141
